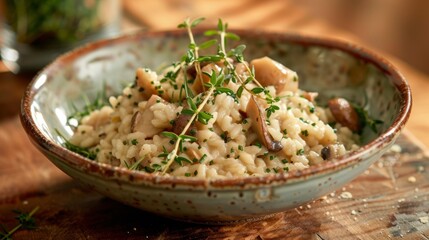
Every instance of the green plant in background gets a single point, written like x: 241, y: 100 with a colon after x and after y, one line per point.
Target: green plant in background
x: 52, y: 22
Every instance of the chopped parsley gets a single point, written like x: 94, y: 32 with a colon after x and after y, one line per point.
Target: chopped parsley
x: 305, y: 133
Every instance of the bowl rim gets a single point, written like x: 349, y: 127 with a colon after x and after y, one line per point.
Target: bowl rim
x: 105, y: 171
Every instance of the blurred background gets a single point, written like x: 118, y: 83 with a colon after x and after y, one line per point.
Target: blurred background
x: 395, y: 29
x: 398, y: 27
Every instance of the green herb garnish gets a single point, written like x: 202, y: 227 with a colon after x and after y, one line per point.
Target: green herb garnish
x: 99, y: 102
x: 365, y: 119
x: 300, y: 151
x: 202, y: 158
x: 26, y: 221
x: 304, y: 132
x: 136, y: 165
x: 85, y: 152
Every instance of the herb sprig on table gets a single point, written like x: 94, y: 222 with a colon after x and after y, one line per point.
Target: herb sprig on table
x: 25, y: 221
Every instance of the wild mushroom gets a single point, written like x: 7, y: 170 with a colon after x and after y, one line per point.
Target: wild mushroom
x: 326, y: 153
x: 180, y: 123
x: 208, y: 68
x: 135, y: 120
x: 344, y: 113
x: 142, y: 121
x: 147, y: 81
x: 259, y: 125
x: 271, y: 73
x: 310, y: 96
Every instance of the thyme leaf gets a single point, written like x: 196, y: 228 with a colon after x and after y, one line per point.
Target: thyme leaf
x: 208, y: 44
x: 180, y: 160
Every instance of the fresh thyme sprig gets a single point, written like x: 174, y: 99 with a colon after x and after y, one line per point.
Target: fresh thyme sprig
x: 237, y: 53
x: 183, y: 137
x: 192, y: 53
x: 26, y: 221
x: 195, y: 109
x: 214, y: 87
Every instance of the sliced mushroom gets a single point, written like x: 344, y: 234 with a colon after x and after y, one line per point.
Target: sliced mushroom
x: 147, y: 81
x: 344, y: 113
x: 135, y: 121
x: 310, y: 96
x: 142, y: 121
x: 180, y: 123
x: 271, y: 73
x: 257, y: 115
x: 209, y: 68
x: 326, y: 153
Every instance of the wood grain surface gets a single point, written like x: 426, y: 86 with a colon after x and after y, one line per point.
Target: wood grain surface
x: 389, y: 201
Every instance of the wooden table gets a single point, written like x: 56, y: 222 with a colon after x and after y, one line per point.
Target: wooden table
x: 390, y: 200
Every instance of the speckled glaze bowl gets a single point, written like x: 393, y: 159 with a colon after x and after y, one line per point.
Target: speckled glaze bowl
x: 329, y: 67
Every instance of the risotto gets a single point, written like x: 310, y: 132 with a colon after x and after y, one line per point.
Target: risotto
x: 215, y: 117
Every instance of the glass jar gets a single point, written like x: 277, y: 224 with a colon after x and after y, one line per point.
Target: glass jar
x: 33, y: 32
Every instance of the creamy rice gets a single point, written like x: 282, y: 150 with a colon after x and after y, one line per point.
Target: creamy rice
x: 227, y: 146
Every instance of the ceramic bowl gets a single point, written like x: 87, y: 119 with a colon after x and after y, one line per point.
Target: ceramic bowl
x: 329, y: 67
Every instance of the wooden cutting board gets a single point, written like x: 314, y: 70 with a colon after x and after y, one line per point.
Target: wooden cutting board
x: 390, y: 200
